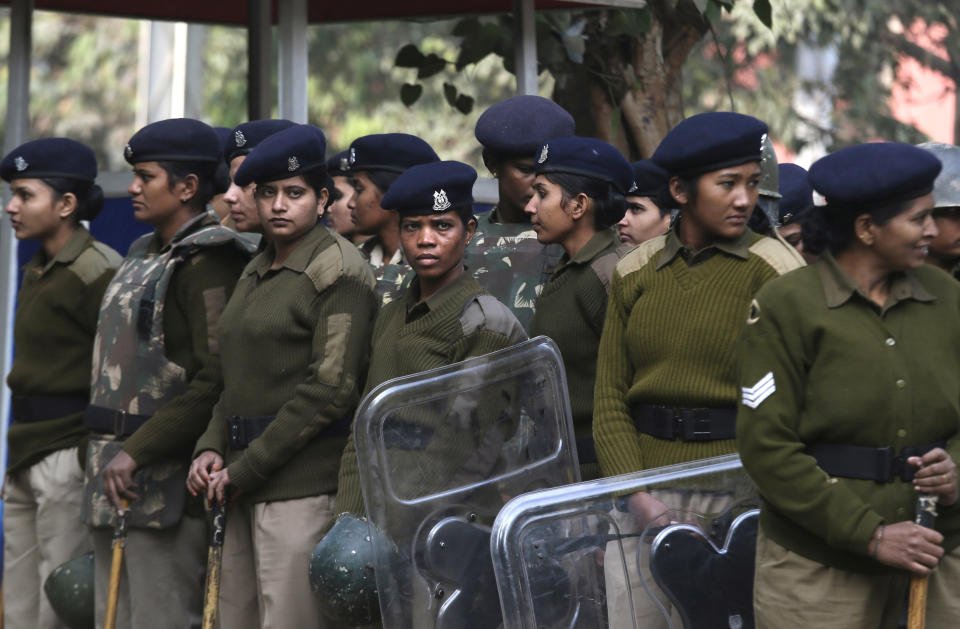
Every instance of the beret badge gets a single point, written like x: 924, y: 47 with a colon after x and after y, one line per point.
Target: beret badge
x: 353, y: 156
x: 440, y: 201
x: 128, y: 152
x: 344, y: 164
x: 293, y: 163
x: 239, y: 138
x: 21, y: 164
x: 544, y: 152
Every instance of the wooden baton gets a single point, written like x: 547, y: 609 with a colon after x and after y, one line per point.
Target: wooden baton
x: 917, y: 610
x: 211, y: 596
x: 119, y: 541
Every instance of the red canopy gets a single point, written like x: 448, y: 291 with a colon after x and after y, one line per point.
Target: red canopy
x: 235, y: 11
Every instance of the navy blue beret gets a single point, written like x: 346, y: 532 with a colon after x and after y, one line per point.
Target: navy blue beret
x: 431, y: 188
x: 174, y: 140
x: 877, y: 172
x: 796, y: 195
x: 223, y: 133
x: 289, y: 153
x: 50, y: 157
x: 651, y: 180
x: 339, y: 164
x: 244, y: 137
x: 394, y: 152
x: 710, y: 141
x: 588, y: 157
x: 522, y: 124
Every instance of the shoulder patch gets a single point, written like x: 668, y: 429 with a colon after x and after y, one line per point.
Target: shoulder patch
x: 638, y: 257
x: 781, y: 256
x: 354, y: 264
x: 486, y: 311
x: 603, y: 267
x: 326, y: 268
x: 754, y: 315
x: 94, y: 261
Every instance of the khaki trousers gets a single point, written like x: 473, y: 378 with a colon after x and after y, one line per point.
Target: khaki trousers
x: 266, y: 558
x: 42, y: 529
x: 793, y: 592
x: 161, y: 582
x: 625, y: 586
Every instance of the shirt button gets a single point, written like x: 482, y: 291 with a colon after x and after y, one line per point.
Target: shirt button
x: 891, y: 342
x: 901, y: 383
x: 901, y: 433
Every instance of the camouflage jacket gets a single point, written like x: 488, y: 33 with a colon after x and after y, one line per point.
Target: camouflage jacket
x: 130, y: 329
x: 509, y: 261
x: 392, y: 276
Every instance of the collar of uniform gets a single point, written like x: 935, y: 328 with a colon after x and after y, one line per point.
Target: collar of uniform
x: 597, y: 244
x: 431, y: 302
x: 371, y: 245
x: 738, y: 247
x: 68, y: 253
x: 203, y: 219
x: 838, y: 287
x: 299, y: 258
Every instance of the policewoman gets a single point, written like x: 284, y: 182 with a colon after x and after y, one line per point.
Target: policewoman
x: 850, y: 376
x: 52, y: 190
x: 666, y: 389
x: 648, y: 207
x: 338, y: 215
x: 578, y: 197
x: 945, y: 247
x: 294, y: 339
x: 445, y: 316
x: 505, y: 255
x: 241, y: 140
x: 375, y: 162
x: 796, y: 201
x: 156, y: 377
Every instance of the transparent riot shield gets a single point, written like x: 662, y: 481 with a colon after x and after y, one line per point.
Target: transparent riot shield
x: 440, y: 453
x: 666, y: 548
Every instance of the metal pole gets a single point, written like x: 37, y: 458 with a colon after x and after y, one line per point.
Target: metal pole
x: 292, y: 52
x: 18, y: 121
x: 525, y: 46
x: 259, y: 23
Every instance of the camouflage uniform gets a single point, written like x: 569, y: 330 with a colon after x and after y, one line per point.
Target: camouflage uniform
x: 392, y: 276
x: 142, y: 391
x: 509, y: 261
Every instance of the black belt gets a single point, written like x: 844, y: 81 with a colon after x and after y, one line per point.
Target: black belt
x: 113, y: 422
x: 38, y: 408
x: 243, y: 430
x: 685, y: 424
x: 883, y: 465
x: 586, y: 451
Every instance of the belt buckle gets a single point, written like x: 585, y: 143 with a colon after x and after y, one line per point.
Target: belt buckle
x: 119, y: 423
x: 889, y: 465
x: 237, y: 432
x: 691, y: 424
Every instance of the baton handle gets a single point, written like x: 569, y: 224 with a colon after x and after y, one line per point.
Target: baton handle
x: 917, y: 609
x: 211, y: 595
x: 119, y: 540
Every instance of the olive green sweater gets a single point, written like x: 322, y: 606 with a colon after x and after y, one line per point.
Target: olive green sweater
x: 56, y: 321
x: 672, y: 324
x: 448, y: 327
x: 571, y: 310
x: 294, y: 343
x: 835, y: 368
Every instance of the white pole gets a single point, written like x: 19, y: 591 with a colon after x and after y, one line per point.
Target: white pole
x: 525, y: 42
x: 292, y: 52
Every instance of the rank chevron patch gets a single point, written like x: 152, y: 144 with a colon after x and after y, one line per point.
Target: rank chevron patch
x: 755, y: 395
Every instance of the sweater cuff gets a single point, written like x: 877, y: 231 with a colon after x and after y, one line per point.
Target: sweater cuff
x: 243, y: 477
x: 860, y: 541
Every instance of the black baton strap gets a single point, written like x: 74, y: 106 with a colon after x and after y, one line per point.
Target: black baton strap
x: 882, y: 465
x: 38, y: 408
x: 586, y: 450
x: 685, y: 424
x: 109, y: 421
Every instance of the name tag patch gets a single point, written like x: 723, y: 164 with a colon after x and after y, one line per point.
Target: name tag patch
x: 764, y: 388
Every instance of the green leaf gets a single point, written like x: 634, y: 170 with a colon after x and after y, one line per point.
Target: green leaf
x: 712, y: 13
x: 432, y: 64
x: 409, y: 57
x: 410, y: 93
x: 464, y: 104
x: 478, y: 45
x: 701, y: 6
x: 450, y: 93
x: 465, y: 27
x: 764, y: 12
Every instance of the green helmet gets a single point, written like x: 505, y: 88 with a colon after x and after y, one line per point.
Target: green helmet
x: 946, y: 189
x: 769, y: 199
x: 341, y: 572
x: 69, y: 588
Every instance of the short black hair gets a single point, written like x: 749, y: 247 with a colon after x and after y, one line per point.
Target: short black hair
x: 836, y: 224
x: 89, y: 195
x: 204, y: 171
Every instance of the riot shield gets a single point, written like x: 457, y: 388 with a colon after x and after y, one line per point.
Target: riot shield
x: 440, y: 453
x: 671, y: 547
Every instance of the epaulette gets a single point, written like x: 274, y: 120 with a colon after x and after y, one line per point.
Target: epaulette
x: 637, y: 258
x: 779, y: 255
x: 94, y: 261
